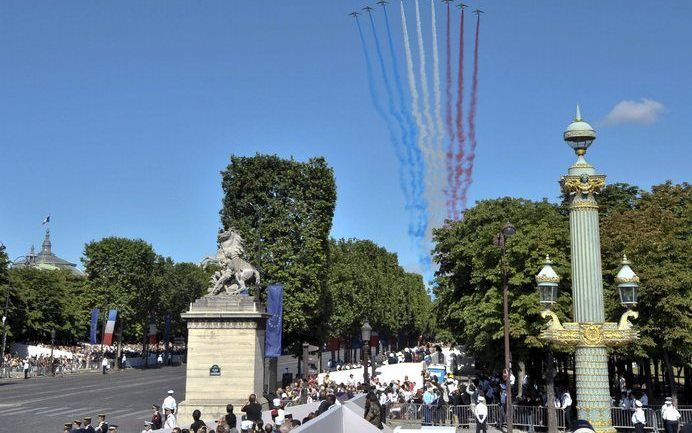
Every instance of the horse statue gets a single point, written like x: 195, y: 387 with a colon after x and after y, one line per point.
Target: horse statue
x: 235, y: 271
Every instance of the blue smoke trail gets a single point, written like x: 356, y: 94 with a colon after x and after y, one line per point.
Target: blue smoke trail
x: 405, y: 159
x: 415, y: 160
x: 398, y: 148
x: 380, y: 110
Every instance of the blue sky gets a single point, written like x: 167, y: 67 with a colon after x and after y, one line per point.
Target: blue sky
x: 117, y: 117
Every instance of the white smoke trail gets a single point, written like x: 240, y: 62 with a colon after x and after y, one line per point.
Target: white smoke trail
x: 439, y: 174
x: 422, y: 134
x: 427, y: 146
x: 420, y: 244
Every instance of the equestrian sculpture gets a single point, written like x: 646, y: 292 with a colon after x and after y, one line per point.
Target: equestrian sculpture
x: 235, y: 271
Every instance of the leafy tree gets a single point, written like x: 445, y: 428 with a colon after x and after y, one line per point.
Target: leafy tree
x: 178, y: 284
x: 362, y: 277
x: 44, y: 301
x: 468, y: 283
x: 284, y: 209
x: 656, y: 234
x: 120, y: 272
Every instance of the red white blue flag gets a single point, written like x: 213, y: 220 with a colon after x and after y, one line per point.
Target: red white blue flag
x: 110, y: 327
x: 152, y: 332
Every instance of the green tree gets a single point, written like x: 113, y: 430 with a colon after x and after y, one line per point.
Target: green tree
x: 120, y: 272
x: 178, y: 285
x: 362, y: 277
x: 656, y: 234
x: 468, y: 283
x: 284, y: 209
x: 44, y: 300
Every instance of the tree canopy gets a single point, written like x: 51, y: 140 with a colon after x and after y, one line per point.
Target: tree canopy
x: 367, y: 283
x: 284, y: 208
x: 468, y: 283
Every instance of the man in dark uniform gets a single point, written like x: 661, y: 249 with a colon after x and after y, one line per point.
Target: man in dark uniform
x: 77, y: 427
x: 103, y: 425
x: 88, y: 428
x: 112, y: 429
x: 68, y: 427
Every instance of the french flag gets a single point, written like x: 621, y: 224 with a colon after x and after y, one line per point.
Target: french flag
x: 110, y: 327
x: 153, y: 331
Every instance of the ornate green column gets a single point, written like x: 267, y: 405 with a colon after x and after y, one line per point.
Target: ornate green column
x: 588, y: 333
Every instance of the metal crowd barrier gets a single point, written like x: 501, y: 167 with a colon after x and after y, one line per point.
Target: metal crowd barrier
x: 622, y: 418
x: 527, y: 417
x: 445, y: 415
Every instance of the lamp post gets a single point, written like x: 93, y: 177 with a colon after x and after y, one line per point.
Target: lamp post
x: 365, y: 333
x: 589, y: 332
x: 500, y: 240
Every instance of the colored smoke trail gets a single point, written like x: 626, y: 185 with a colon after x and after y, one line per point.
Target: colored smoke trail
x: 472, y: 120
x: 423, y: 258
x: 373, y: 95
x: 449, y: 155
x: 426, y: 142
x: 461, y: 136
x: 417, y: 203
x: 405, y: 164
x: 439, y: 129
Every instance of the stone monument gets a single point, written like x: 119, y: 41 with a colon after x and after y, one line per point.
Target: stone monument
x: 225, y: 343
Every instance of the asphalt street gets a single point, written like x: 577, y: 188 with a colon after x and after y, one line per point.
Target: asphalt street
x: 43, y: 405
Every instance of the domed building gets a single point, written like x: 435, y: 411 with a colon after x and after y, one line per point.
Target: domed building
x: 45, y: 259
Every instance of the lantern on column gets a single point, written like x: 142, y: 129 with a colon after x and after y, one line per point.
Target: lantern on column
x: 547, y: 281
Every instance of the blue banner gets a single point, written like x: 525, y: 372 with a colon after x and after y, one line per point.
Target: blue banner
x: 94, y: 325
x: 275, y: 306
x: 167, y: 330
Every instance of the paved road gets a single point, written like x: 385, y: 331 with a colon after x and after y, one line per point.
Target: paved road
x: 43, y: 405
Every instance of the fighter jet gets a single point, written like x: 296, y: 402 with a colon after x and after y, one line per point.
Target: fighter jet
x: 367, y: 9
x: 354, y: 14
x: 478, y: 12
x: 384, y: 2
x: 447, y: 1
x: 462, y: 6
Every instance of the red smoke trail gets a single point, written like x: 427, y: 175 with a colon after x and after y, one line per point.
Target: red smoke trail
x: 472, y: 120
x: 450, y: 127
x: 461, y: 137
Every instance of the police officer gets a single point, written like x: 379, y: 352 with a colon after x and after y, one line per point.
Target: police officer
x: 638, y: 417
x: 670, y: 416
x: 481, y: 414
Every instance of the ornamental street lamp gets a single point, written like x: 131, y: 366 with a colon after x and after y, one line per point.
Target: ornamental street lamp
x: 499, y: 240
x: 365, y: 333
x: 589, y: 332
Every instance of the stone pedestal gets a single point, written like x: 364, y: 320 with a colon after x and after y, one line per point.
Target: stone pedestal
x: 225, y: 354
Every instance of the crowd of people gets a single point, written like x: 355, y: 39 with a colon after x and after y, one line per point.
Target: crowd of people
x: 75, y: 358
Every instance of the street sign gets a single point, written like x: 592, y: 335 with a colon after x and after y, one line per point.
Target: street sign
x: 215, y: 370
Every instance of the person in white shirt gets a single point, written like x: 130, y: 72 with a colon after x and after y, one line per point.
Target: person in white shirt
x: 170, y: 419
x: 169, y: 402
x: 638, y: 417
x: 670, y: 416
x: 26, y: 367
x: 566, y: 405
x: 159, y: 360
x: 481, y: 414
x: 104, y: 364
x: 123, y: 361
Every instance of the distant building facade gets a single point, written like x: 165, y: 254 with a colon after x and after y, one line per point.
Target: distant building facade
x: 45, y: 259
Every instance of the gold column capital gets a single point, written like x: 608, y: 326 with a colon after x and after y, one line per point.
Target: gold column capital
x: 589, y: 334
